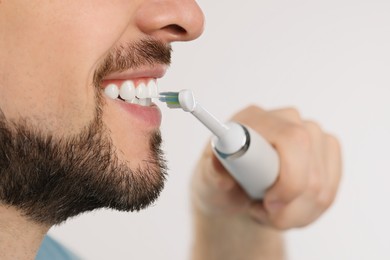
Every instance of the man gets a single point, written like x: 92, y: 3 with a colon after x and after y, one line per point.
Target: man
x: 77, y: 133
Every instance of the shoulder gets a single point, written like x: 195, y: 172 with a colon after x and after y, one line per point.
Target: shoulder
x: 51, y: 249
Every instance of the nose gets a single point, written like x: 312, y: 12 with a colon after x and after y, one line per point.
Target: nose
x: 170, y: 20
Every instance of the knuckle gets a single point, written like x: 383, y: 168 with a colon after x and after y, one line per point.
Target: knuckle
x: 253, y: 109
x: 297, y: 135
x: 313, y: 127
x: 248, y: 114
x: 290, y: 114
x: 293, y: 112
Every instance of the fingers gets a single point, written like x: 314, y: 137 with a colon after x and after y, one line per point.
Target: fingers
x: 310, y: 171
x: 221, y: 177
x: 292, y: 143
x: 310, y: 167
x: 215, y: 191
x: 216, y: 176
x: 333, y: 166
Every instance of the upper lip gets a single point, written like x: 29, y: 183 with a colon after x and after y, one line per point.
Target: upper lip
x: 156, y: 71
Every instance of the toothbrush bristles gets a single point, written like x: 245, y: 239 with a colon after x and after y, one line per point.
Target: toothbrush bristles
x: 171, y: 98
x: 173, y: 105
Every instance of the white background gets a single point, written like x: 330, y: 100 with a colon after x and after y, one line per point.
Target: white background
x: 331, y: 60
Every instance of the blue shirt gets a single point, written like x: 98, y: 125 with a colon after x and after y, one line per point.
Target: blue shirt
x: 52, y: 250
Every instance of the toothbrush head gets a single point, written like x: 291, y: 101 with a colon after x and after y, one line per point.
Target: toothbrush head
x: 171, y: 99
x: 184, y: 99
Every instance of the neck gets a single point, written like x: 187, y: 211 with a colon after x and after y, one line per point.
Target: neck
x: 20, y: 238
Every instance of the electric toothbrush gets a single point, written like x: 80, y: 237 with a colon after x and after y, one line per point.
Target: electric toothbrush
x: 249, y: 158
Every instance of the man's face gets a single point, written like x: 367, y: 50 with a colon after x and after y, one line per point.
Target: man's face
x: 56, y: 58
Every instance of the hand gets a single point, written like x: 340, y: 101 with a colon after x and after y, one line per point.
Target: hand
x: 309, y: 175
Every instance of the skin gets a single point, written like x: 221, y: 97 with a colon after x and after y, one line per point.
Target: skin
x: 48, y: 53
x: 228, y: 225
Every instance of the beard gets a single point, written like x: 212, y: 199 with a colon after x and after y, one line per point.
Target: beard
x: 51, y: 178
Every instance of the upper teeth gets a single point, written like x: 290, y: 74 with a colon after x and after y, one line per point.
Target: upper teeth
x: 129, y: 92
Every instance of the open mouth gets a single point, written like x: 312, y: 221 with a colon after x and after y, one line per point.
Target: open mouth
x: 133, y: 92
x: 139, y: 92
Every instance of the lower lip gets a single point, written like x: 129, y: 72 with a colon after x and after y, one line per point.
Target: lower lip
x: 150, y: 116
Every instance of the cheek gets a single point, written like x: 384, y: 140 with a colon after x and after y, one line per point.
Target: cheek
x: 47, y: 71
x: 52, y: 104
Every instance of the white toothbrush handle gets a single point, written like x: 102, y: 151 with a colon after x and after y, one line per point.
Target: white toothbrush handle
x: 249, y: 158
x: 255, y: 167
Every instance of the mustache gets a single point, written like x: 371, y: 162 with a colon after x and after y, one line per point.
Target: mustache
x: 146, y: 52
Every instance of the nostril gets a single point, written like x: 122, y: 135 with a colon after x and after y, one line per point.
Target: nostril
x: 175, y: 29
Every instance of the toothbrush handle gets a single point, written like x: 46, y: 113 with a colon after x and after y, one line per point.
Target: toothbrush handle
x: 255, y: 168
